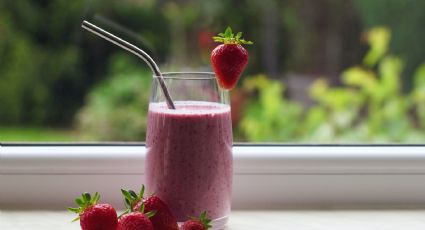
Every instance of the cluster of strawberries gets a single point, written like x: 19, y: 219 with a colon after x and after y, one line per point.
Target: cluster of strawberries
x: 151, y: 213
x: 142, y: 213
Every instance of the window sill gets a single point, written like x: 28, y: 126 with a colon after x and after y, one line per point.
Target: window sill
x: 265, y: 176
x: 242, y: 220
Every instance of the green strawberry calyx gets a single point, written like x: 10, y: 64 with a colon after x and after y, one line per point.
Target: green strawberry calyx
x: 84, y: 202
x: 131, y: 198
x: 229, y: 38
x: 203, y: 219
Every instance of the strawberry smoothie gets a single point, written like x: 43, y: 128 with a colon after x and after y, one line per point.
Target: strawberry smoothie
x: 189, y: 158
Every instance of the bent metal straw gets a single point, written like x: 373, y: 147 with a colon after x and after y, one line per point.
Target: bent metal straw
x: 134, y: 50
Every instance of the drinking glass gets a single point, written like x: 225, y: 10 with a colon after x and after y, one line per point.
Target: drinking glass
x: 189, y: 150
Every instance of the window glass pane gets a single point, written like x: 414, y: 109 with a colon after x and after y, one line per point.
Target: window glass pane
x: 318, y: 72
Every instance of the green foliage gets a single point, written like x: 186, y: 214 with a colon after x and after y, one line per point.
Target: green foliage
x: 418, y: 95
x: 48, y: 63
x: 369, y: 106
x: 404, y: 18
x: 31, y: 134
x: 378, y: 39
x: 37, y: 58
x: 117, y: 108
x: 270, y: 117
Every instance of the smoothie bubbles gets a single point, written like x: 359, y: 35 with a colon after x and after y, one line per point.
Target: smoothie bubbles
x: 189, y: 132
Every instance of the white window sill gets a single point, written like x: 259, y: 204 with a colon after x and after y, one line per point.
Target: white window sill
x: 243, y: 220
x: 274, y: 177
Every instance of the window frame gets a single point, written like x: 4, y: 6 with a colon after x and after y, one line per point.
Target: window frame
x: 265, y: 175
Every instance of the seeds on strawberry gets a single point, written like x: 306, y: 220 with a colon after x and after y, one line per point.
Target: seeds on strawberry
x: 135, y: 221
x: 94, y: 216
x: 163, y: 219
x: 229, y: 59
x: 201, y: 223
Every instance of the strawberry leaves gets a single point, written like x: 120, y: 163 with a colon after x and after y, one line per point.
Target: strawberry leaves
x: 84, y: 202
x: 203, y: 219
x: 229, y: 38
x: 131, y: 198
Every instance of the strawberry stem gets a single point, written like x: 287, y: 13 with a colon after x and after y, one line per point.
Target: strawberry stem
x: 83, y: 202
x: 229, y: 38
x: 203, y: 218
x: 131, y: 199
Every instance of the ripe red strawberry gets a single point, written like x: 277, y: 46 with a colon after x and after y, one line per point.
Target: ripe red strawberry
x: 94, y: 216
x: 229, y: 59
x: 163, y: 218
x: 201, y: 223
x: 134, y: 219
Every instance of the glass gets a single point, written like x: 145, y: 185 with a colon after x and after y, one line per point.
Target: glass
x: 189, y: 150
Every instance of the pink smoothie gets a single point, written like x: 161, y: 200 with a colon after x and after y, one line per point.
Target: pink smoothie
x: 189, y: 157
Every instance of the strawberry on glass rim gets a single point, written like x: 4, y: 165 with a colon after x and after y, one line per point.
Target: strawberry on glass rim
x: 230, y: 58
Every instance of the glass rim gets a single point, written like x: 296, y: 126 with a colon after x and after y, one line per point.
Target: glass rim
x: 188, y: 75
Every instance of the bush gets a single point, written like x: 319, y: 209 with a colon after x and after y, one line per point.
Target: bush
x: 117, y: 108
x: 404, y: 18
x: 40, y: 63
x: 270, y: 117
x: 48, y: 63
x: 368, y: 107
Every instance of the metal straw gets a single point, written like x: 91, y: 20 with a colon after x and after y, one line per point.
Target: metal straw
x: 136, y: 51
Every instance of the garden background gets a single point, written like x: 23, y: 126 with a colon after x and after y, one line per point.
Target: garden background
x: 324, y: 71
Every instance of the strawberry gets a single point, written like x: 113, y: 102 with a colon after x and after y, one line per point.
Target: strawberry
x: 94, y: 216
x: 163, y: 219
x: 229, y: 59
x: 201, y: 223
x: 135, y: 219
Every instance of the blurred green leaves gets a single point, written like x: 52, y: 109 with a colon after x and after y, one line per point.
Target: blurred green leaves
x: 270, y: 117
x: 48, y: 63
x: 116, y: 109
x: 378, y: 38
x: 418, y: 94
x: 37, y: 62
x: 369, y: 106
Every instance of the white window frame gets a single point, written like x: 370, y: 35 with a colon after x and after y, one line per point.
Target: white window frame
x: 265, y: 176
